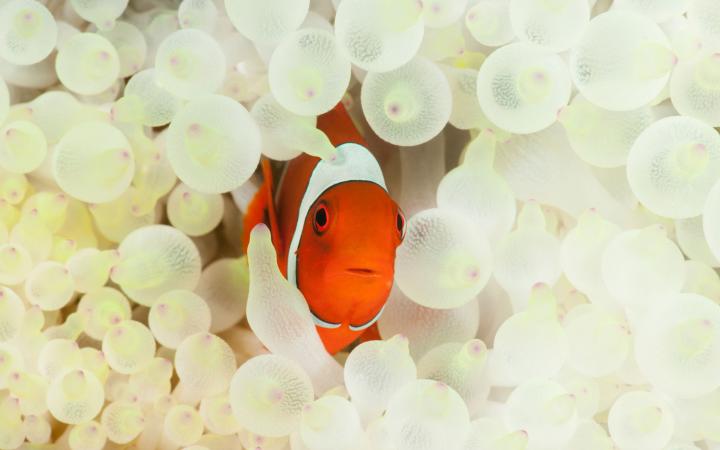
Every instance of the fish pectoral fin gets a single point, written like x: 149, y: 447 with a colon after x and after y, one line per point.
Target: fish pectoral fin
x: 272, y: 214
x: 261, y: 209
x: 372, y: 333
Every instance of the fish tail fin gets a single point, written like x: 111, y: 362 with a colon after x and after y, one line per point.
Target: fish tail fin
x: 261, y: 209
x: 339, y: 126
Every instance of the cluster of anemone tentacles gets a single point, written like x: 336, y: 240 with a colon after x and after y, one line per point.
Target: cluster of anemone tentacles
x: 557, y: 287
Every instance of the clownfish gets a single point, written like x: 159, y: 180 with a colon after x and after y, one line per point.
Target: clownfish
x: 335, y: 229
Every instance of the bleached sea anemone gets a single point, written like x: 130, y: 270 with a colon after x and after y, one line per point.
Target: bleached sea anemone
x: 488, y: 224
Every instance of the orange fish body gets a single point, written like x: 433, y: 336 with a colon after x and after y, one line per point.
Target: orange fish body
x: 335, y: 229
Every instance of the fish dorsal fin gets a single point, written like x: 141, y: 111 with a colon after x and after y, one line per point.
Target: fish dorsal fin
x: 339, y: 126
x: 261, y: 209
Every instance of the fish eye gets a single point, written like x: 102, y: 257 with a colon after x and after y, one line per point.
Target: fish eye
x: 400, y: 223
x: 321, y: 221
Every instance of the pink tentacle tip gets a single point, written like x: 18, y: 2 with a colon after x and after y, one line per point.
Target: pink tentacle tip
x: 473, y: 273
x: 194, y: 128
x: 276, y: 395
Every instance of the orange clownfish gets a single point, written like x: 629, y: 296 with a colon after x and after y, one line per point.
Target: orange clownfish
x: 335, y: 229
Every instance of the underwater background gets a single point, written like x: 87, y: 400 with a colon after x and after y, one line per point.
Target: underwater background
x: 360, y: 224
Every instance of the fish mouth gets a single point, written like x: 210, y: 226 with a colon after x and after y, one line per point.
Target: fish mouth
x: 363, y: 271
